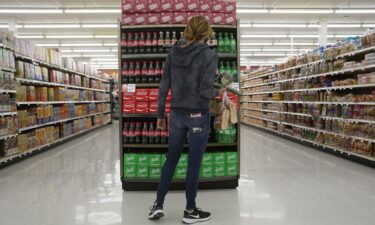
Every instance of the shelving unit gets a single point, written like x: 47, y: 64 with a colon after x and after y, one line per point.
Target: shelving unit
x: 269, y: 104
x: 135, y: 184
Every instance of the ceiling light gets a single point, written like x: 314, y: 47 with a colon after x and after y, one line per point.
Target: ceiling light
x: 252, y: 10
x: 281, y: 25
x: 343, y: 25
x: 242, y: 55
x: 296, y: 43
x: 112, y: 25
x: 313, y: 26
x: 48, y: 45
x: 106, y: 36
x: 302, y: 11
x: 66, y: 50
x: 346, y: 35
x: 114, y: 50
x: 355, y: 11
x: 107, y: 55
x: 69, y: 36
x: 285, y: 50
x: 30, y: 37
x: 330, y: 36
x: 52, y: 26
x: 251, y: 50
x: 91, y: 50
x: 71, y: 56
x: 81, y: 44
x: 30, y: 11
x: 264, y: 36
x: 246, y: 25
x: 368, y: 25
x: 110, y: 44
x: 4, y: 26
x: 92, y: 11
x: 104, y: 59
x: 255, y: 44
x: 105, y: 63
x: 267, y: 54
x: 304, y: 36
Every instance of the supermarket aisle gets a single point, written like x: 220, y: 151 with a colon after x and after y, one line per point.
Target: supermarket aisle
x: 283, y: 183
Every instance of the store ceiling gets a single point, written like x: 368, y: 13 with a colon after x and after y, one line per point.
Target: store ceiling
x: 254, y: 50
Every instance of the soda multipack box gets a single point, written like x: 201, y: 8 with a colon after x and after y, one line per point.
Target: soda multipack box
x: 179, y: 6
x: 141, y: 107
x: 166, y: 17
x: 179, y: 18
x: 153, y: 18
x: 154, y: 6
x: 205, y: 6
x: 130, y: 171
x: 153, y: 107
x: 190, y: 15
x: 219, y: 170
x: 218, y: 18
x: 230, y: 19
x: 193, y: 5
x: 142, y: 172
x: 206, y: 171
x: 180, y: 172
x: 140, y: 19
x: 230, y: 7
x: 206, y: 15
x: 154, y: 160
x: 128, y: 96
x: 127, y: 6
x: 154, y: 172
x: 166, y: 5
x: 153, y: 94
x: 218, y: 6
x: 141, y: 6
x: 141, y: 95
x: 128, y: 107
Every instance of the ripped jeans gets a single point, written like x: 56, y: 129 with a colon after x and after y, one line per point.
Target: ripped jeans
x: 181, y: 124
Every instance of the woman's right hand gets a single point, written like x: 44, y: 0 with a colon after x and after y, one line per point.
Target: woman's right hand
x: 161, y: 124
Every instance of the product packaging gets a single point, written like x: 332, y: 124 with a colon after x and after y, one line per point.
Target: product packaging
x: 153, y: 18
x: 141, y: 107
x: 219, y: 170
x: 166, y: 5
x: 207, y: 15
x: 219, y: 158
x: 142, y: 172
x: 140, y: 19
x: 128, y: 107
x: 179, y: 6
x: 206, y: 171
x: 129, y: 171
x: 205, y: 6
x: 218, y: 19
x: 153, y: 94
x: 230, y: 7
x: 153, y: 107
x: 180, y: 172
x: 207, y: 159
x: 166, y: 18
x: 154, y: 160
x: 154, y: 6
x: 141, y: 6
x: 190, y: 15
x: 141, y: 95
x: 218, y: 6
x: 231, y: 157
x: 193, y: 5
x: 231, y: 169
x: 183, y: 160
x: 127, y: 6
x: 128, y: 19
x: 230, y: 19
x: 179, y: 18
x: 142, y: 159
x: 154, y: 172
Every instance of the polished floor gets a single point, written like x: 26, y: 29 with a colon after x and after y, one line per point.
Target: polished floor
x: 283, y: 183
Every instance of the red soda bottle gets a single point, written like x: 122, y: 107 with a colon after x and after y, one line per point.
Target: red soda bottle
x: 174, y: 38
x: 144, y: 134
x: 142, y: 43
x: 151, y: 73
x: 131, y: 133
x: 151, y: 134
x: 125, y: 133
x: 148, y: 43
x: 131, y: 73
x: 130, y: 44
x: 163, y: 137
x: 136, y: 43
x: 157, y: 136
x: 124, y: 73
x: 155, y: 43
x: 137, y: 72
x: 161, y: 42
x: 138, y: 133
x: 144, y: 72
x: 157, y: 73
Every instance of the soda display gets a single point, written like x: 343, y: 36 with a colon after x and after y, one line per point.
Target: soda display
x: 143, y: 133
x: 229, y: 67
x: 226, y: 43
x: 141, y: 72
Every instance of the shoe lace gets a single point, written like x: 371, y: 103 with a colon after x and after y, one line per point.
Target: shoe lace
x: 153, y: 206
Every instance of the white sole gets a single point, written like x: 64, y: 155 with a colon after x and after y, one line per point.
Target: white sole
x: 158, y: 212
x: 192, y: 221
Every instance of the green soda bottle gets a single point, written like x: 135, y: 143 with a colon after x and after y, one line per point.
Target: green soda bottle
x: 233, y: 46
x: 220, y: 43
x: 228, y: 68
x: 227, y: 43
x: 234, y: 71
x: 222, y: 68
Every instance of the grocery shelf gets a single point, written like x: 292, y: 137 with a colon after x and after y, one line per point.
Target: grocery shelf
x: 59, y: 121
x: 7, y: 69
x: 154, y: 56
x: 333, y: 73
x: 4, y: 137
x: 146, y: 85
x: 2, y: 114
x: 139, y: 115
x: 61, y: 102
x: 137, y: 184
x: 55, y: 67
x: 5, y: 161
x: 29, y: 81
x: 313, y: 103
x: 261, y: 118
x: 6, y: 47
x: 280, y: 112
x: 368, y: 160
x: 7, y: 91
x: 166, y: 145
x: 143, y: 27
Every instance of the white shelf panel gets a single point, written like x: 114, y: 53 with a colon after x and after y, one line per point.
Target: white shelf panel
x: 313, y: 103
x: 61, y: 102
x: 7, y: 69
x: 7, y: 91
x: 4, y: 137
x: 2, y: 114
x: 6, y: 47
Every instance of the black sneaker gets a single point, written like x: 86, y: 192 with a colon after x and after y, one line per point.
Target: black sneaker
x: 156, y: 212
x: 196, y: 216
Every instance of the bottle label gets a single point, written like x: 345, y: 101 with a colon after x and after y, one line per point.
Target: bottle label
x: 137, y: 133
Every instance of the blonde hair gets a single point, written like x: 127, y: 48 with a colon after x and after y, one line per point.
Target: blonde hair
x: 197, y: 29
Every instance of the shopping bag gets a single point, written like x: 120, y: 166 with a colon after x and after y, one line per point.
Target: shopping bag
x: 223, y: 119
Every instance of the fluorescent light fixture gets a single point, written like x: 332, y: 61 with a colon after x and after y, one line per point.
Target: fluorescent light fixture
x: 281, y: 25
x: 48, y: 45
x: 256, y: 44
x: 346, y: 35
x: 112, y: 25
x: 285, y: 50
x: 114, y: 50
x: 104, y: 56
x: 81, y: 44
x: 330, y: 36
x: 4, y: 26
x: 66, y: 51
x: 264, y: 36
x: 105, y: 63
x: 296, y: 43
x: 106, y: 36
x: 117, y: 11
x: 343, y: 25
x: 251, y: 50
x: 368, y: 25
x: 242, y: 55
x: 91, y: 50
x: 110, y: 44
x: 30, y: 11
x: 303, y: 36
x: 301, y: 11
x: 69, y: 36
x: 105, y: 59
x: 252, y: 10
x: 313, y: 26
x: 355, y: 11
x: 71, y: 56
x: 30, y: 37
x: 268, y: 54
x: 52, y: 26
x: 246, y: 25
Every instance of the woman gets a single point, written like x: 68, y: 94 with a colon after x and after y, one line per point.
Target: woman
x: 190, y: 71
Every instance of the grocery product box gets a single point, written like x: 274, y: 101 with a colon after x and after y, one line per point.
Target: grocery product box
x: 180, y: 172
x: 142, y: 172
x: 130, y: 159
x: 231, y: 169
x: 230, y: 19
x: 153, y: 18
x: 206, y: 15
x: 154, y: 6
x: 193, y: 5
x: 130, y: 171
x: 231, y: 157
x: 166, y: 5
x: 166, y: 18
x: 230, y: 7
x: 183, y: 160
x: 142, y: 159
x: 30, y: 93
x: 44, y: 74
x: 205, y: 5
x: 128, y: 96
x: 141, y: 107
x: 218, y: 18
x: 141, y: 6
x: 179, y: 6
x: 128, y: 107
x: 219, y: 158
x: 207, y: 159
x: 154, y: 172
x: 179, y: 18
x: 218, y: 6
x: 140, y: 19
x: 153, y: 107
x: 153, y: 94
x: 20, y: 72
x: 206, y: 171
x: 128, y: 19
x: 219, y: 170
x: 190, y: 15
x: 128, y: 6
x: 154, y: 160
x: 141, y: 95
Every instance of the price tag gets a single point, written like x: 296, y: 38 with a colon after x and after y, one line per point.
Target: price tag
x: 129, y: 88
x: 236, y: 86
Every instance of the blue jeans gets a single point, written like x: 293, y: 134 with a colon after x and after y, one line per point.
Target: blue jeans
x: 197, y: 127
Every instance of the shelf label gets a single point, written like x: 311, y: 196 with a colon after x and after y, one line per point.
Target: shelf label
x: 129, y: 88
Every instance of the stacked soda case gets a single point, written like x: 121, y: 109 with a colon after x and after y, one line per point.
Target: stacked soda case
x: 7, y: 103
x: 142, y: 72
x: 141, y: 132
x: 141, y: 12
x: 143, y: 101
x: 218, y: 164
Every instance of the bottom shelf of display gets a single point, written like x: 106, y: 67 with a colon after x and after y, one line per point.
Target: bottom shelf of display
x: 6, y: 161
x: 362, y: 159
x: 137, y: 184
